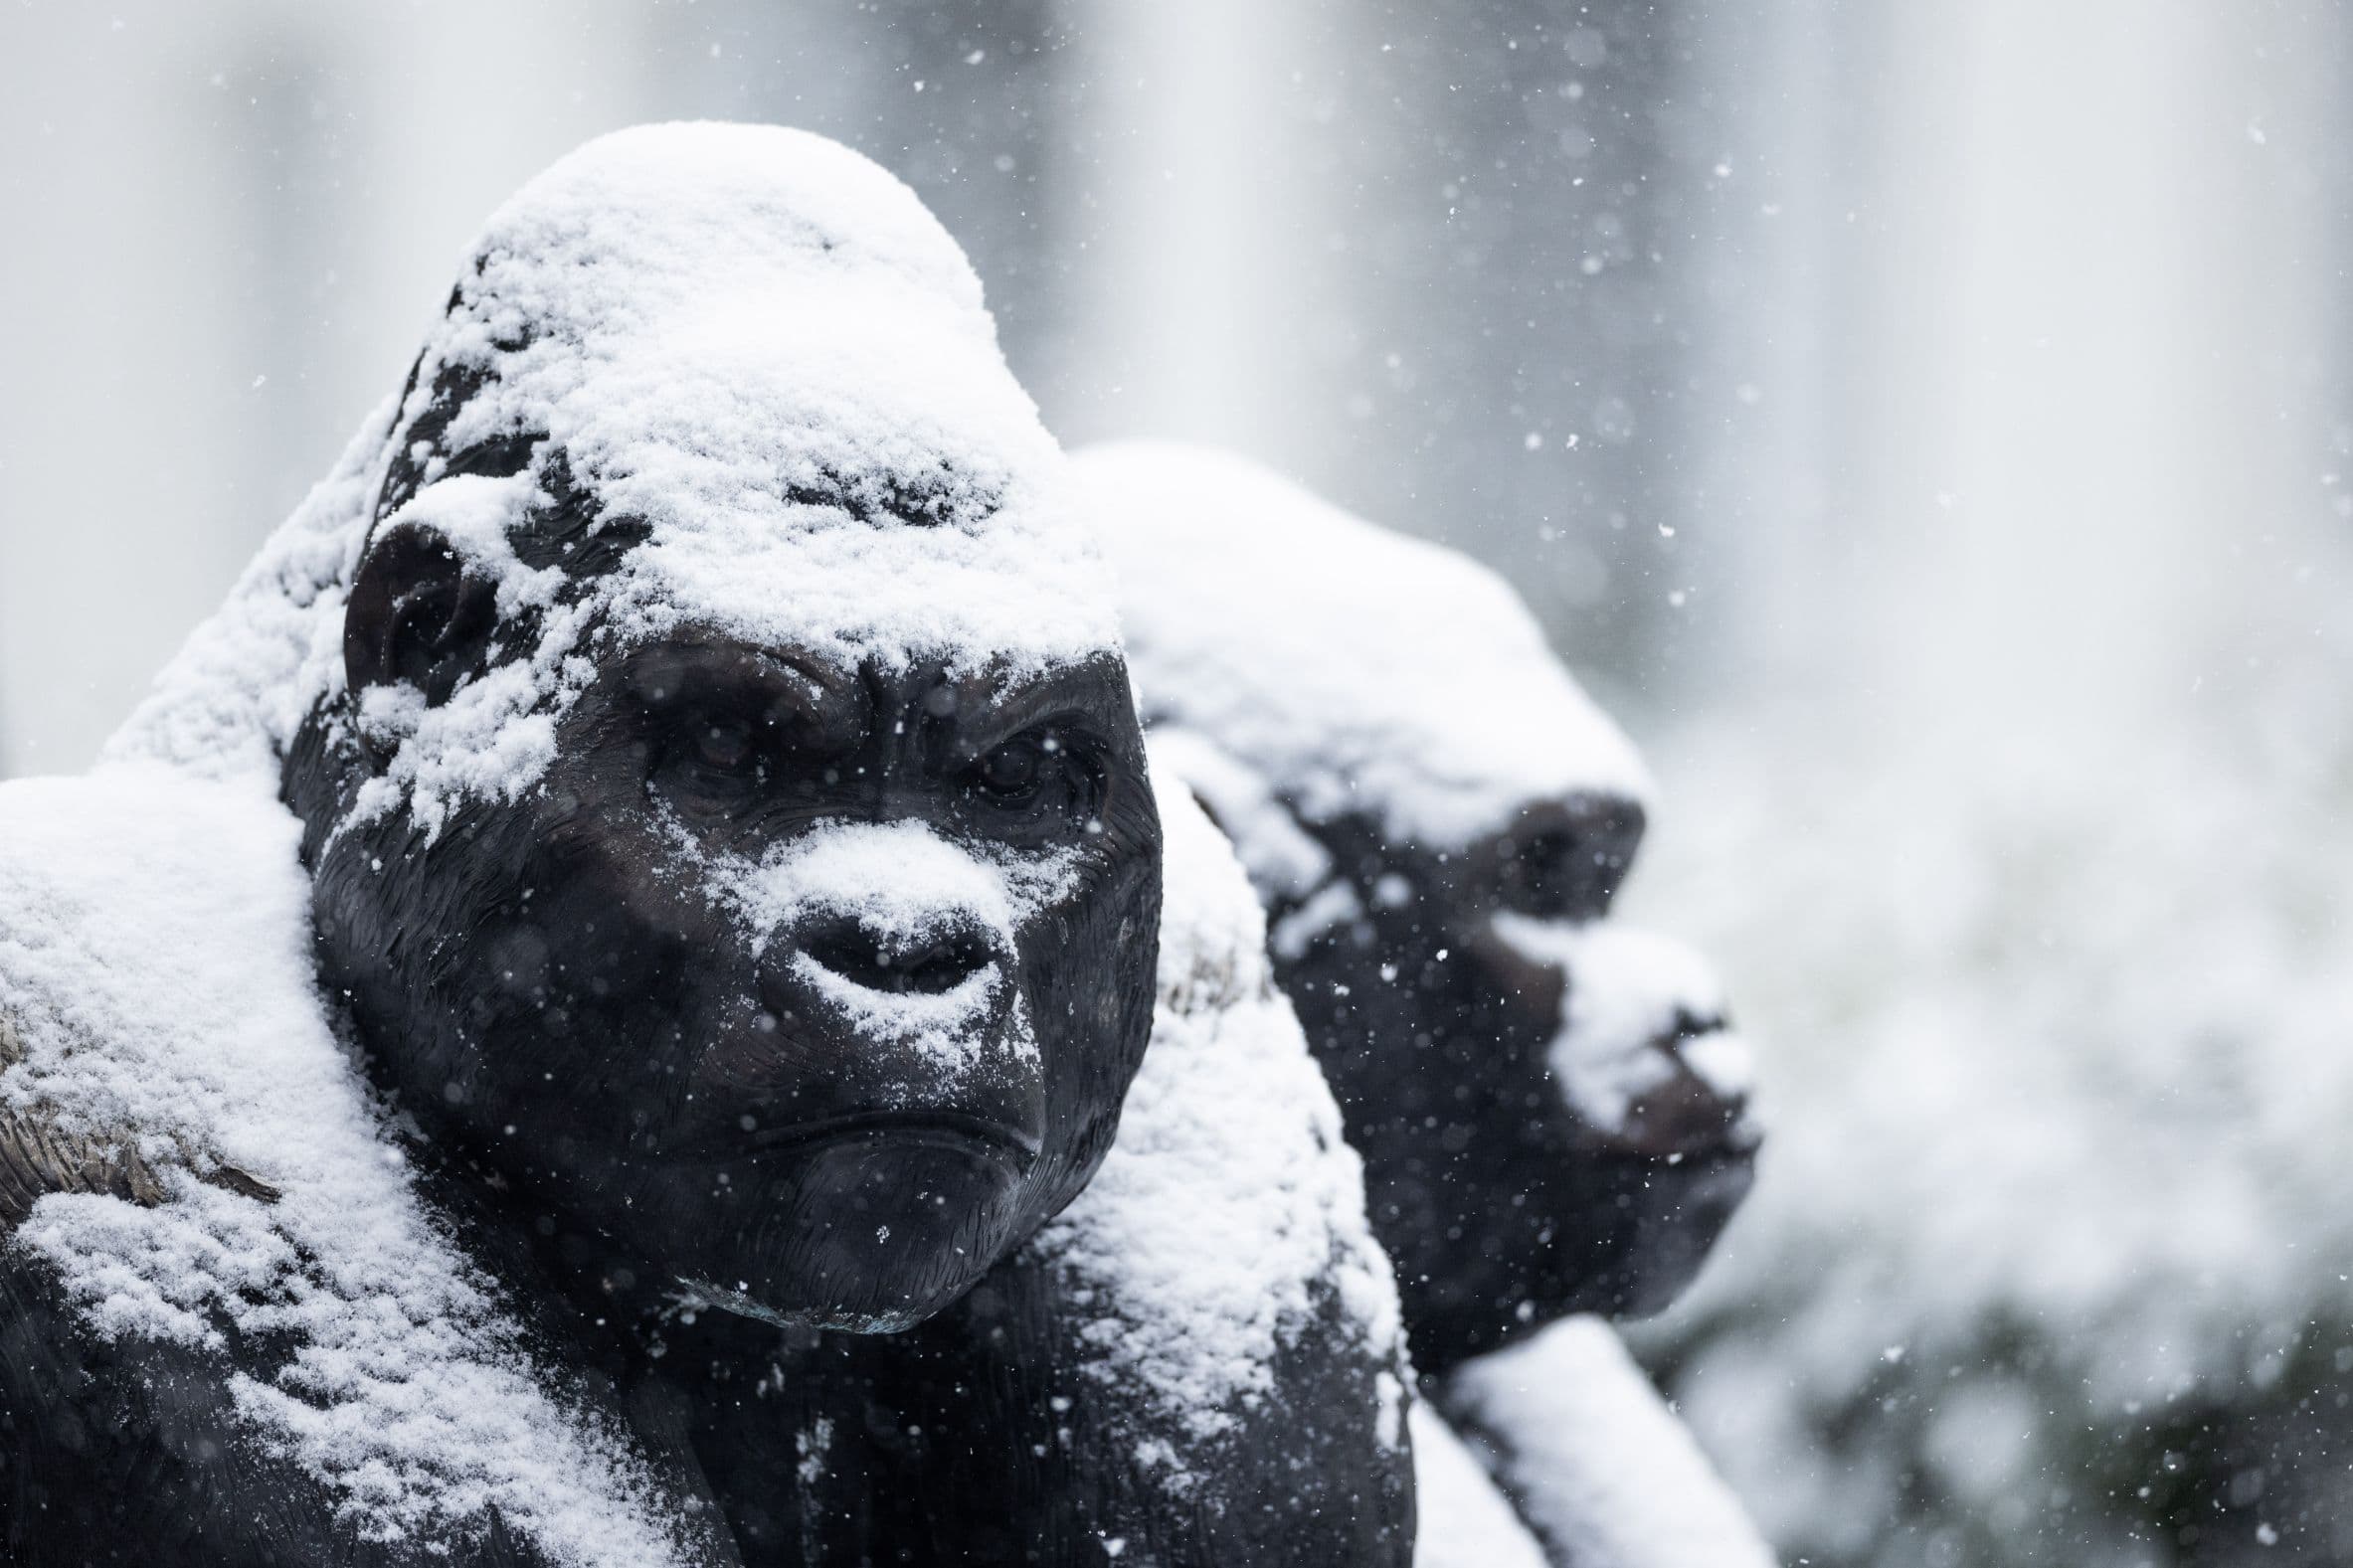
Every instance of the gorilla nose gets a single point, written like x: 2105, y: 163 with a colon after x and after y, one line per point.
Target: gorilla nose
x: 1698, y: 1105
x: 914, y: 1021
x: 929, y: 964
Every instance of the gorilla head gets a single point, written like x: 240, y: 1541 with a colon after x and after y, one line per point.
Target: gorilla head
x: 1552, y: 1110
x: 728, y: 819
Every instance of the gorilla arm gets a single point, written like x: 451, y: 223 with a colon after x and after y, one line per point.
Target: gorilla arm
x: 127, y: 1451
x: 134, y: 1452
x: 82, y: 1416
x: 1596, y: 1463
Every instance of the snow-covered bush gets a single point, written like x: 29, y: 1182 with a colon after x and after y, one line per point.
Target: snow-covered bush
x: 2047, y: 1258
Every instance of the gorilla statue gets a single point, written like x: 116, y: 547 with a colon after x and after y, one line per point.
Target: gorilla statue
x: 574, y: 1025
x: 1553, y: 1110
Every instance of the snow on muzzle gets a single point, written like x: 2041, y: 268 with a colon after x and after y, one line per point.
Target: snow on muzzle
x: 1644, y: 1055
x: 904, y: 937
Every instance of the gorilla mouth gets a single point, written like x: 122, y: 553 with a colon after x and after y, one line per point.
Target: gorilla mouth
x: 957, y: 1129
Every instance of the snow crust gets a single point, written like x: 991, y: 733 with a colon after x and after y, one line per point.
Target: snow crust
x: 746, y: 339
x: 1349, y: 667
x: 901, y: 881
x: 1640, y: 1008
x: 154, y: 963
x: 1230, y: 1197
x: 1600, y: 1467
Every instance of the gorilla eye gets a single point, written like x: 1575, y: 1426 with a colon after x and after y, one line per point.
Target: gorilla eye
x: 721, y: 745
x: 1010, y: 773
x: 1040, y: 775
x: 716, y: 761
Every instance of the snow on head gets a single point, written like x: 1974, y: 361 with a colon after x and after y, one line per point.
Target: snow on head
x: 762, y: 345
x: 1230, y: 1200
x: 734, y: 377
x: 1352, y: 668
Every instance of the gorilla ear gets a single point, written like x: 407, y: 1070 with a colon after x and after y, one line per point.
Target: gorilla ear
x: 416, y: 614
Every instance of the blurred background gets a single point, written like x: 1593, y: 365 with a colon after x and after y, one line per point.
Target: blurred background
x: 1925, y: 423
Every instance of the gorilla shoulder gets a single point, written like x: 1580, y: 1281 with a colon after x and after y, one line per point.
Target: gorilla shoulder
x: 196, y: 1197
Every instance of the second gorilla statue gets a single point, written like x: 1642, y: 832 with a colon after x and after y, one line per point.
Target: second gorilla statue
x: 1552, y: 1109
x: 574, y: 1026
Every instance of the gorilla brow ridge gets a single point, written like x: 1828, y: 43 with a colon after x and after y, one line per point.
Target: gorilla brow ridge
x: 936, y: 495
x: 566, y: 528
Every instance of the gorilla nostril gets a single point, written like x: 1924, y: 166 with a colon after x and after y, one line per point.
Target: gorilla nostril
x: 927, y: 965
x: 941, y: 966
x: 849, y: 953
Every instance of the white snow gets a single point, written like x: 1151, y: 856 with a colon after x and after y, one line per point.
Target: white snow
x: 750, y: 339
x: 154, y: 962
x: 473, y: 512
x: 945, y: 1026
x: 1629, y: 991
x: 1352, y: 668
x: 1283, y: 861
x: 1461, y: 1519
x: 1600, y: 1467
x: 901, y: 881
x: 1231, y: 1193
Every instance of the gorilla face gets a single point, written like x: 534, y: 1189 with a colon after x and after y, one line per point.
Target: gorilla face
x: 1529, y: 1088
x: 805, y: 990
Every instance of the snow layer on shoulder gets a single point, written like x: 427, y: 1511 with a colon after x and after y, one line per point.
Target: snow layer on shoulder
x: 1354, y: 668
x: 154, y: 965
x: 1230, y: 1197
x: 1601, y: 1468
x: 752, y: 344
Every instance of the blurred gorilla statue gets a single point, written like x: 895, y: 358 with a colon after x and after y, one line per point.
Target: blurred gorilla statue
x: 1553, y: 1110
x: 570, y: 1026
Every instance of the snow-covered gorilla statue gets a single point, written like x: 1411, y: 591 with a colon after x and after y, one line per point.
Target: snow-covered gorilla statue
x: 1553, y: 1110
x: 654, y: 866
